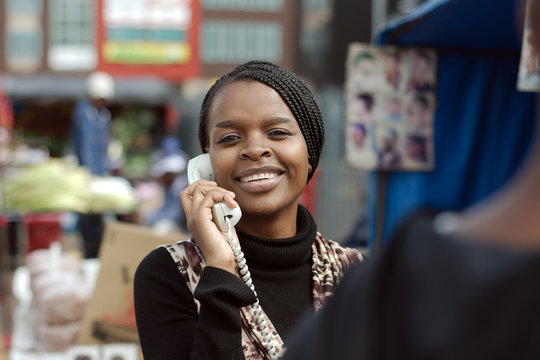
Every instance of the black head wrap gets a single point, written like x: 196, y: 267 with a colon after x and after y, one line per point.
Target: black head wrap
x: 292, y: 90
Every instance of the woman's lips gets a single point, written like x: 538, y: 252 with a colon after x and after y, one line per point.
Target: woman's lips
x: 260, y: 181
x: 258, y: 177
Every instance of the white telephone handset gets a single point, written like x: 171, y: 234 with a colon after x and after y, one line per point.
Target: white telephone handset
x: 225, y: 218
x: 200, y: 167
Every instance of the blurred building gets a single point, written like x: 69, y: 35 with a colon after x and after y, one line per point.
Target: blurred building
x: 189, y: 38
x: 154, y: 49
x: 236, y: 31
x: 165, y: 53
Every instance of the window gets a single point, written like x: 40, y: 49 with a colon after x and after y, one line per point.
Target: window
x: 313, y: 5
x: 23, y: 39
x: 71, y: 35
x: 233, y: 42
x: 244, y: 5
x: 23, y: 43
x: 24, y: 6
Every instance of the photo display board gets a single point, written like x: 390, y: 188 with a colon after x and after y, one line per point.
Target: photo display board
x: 529, y: 69
x: 390, y: 105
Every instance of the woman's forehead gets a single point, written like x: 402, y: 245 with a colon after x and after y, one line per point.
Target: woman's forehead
x: 248, y: 99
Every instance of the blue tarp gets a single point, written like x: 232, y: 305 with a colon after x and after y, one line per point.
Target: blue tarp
x: 483, y: 125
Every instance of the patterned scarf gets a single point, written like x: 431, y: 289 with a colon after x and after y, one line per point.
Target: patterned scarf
x: 330, y: 262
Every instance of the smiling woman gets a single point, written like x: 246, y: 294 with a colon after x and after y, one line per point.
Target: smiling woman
x: 262, y: 138
x: 264, y: 133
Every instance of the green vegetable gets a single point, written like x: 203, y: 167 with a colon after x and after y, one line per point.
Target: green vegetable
x: 57, y: 186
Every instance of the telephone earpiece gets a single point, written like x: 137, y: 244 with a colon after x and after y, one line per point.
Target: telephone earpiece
x: 200, y: 167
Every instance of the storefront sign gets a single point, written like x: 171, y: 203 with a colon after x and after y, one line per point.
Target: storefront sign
x: 149, y: 37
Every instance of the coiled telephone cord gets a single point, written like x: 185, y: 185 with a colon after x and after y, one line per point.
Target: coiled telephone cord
x: 246, y: 277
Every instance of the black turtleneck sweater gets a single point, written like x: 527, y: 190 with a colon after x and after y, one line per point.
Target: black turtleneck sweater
x: 167, y: 319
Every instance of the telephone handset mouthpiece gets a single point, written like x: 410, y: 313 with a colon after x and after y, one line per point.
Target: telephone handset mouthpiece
x: 200, y: 167
x: 220, y: 212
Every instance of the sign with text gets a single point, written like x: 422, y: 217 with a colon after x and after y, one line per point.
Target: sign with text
x: 149, y: 37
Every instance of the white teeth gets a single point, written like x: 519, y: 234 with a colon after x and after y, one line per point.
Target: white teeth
x: 261, y: 176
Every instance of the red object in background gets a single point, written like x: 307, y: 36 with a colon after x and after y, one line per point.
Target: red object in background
x: 170, y: 72
x: 172, y: 118
x: 6, y: 111
x: 42, y: 229
x: 308, y: 196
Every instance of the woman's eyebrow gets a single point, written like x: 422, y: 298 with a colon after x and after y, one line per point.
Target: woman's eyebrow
x: 279, y: 120
x: 224, y: 124
x: 269, y: 121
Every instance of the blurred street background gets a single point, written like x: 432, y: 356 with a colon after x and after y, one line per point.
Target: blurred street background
x: 141, y: 68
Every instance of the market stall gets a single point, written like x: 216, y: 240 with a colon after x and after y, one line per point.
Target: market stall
x: 48, y: 286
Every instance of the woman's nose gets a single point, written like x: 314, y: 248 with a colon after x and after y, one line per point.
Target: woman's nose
x: 256, y: 148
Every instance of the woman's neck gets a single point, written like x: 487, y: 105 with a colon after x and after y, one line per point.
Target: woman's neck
x: 278, y: 225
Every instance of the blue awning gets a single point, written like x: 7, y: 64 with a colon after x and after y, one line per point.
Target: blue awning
x: 483, y: 126
x: 478, y: 25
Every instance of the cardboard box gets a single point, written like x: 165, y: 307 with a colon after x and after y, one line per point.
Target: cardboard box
x: 110, y: 314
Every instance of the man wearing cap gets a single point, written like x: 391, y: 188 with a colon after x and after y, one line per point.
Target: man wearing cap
x: 90, y: 125
x: 91, y: 121
x: 170, y: 172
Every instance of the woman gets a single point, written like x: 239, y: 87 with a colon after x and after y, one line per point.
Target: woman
x: 264, y: 133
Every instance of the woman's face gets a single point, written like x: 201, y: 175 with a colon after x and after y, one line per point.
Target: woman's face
x: 257, y: 148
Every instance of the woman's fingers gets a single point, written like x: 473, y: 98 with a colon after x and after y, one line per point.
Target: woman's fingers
x: 187, y: 195
x: 191, y: 189
x: 215, y: 195
x: 199, y: 197
x: 197, y: 200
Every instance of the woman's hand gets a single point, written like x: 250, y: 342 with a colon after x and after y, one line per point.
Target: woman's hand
x: 197, y: 201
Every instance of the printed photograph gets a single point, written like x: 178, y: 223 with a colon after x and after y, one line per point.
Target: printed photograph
x: 389, y: 147
x: 421, y: 74
x: 361, y: 106
x: 360, y: 145
x: 84, y: 352
x: 120, y: 351
x: 390, y: 106
x: 418, y: 111
x: 529, y: 64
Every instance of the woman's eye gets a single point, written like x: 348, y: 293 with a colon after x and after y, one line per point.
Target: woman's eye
x: 279, y: 133
x: 228, y: 139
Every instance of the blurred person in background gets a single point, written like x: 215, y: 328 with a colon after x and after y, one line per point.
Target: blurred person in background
x: 448, y: 286
x: 90, y: 124
x: 169, y: 170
